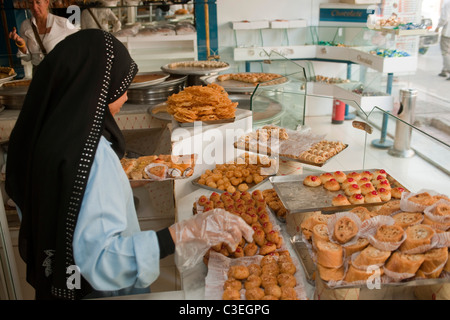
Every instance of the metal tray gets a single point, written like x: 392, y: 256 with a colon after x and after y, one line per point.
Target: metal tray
x: 162, y: 78
x: 310, y: 268
x: 298, y: 198
x: 289, y: 158
x: 193, y: 70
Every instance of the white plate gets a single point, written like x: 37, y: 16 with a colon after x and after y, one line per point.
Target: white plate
x: 143, y: 84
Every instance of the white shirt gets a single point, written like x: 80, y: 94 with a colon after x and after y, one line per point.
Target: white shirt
x: 108, y: 246
x: 60, y: 28
x: 445, y: 19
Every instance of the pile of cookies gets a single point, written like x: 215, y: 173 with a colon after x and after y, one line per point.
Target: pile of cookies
x: 349, y: 247
x: 272, y: 279
x: 198, y: 64
x: 274, y: 203
x: 201, y: 103
x: 358, y: 187
x: 252, y: 208
x: 245, y: 172
x: 321, y: 151
x: 253, y: 78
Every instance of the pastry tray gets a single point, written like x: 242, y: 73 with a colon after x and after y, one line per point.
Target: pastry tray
x: 239, y: 86
x: 309, y: 268
x: 269, y: 153
x: 297, y: 197
x: 199, y: 71
x: 252, y: 186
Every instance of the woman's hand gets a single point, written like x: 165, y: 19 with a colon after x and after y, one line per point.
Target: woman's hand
x: 20, y: 43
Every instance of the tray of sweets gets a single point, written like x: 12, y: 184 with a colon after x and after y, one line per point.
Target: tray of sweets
x: 297, y: 197
x: 246, y: 173
x: 402, y: 245
x: 301, y: 146
x: 195, y: 67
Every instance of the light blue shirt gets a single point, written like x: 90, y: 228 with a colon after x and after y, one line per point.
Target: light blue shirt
x: 108, y: 246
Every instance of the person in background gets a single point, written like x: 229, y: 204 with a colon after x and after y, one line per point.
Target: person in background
x: 73, y: 197
x: 39, y: 34
x: 445, y: 38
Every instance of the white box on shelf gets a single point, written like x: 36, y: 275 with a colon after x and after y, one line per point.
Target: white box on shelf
x: 383, y: 64
x: 332, y: 53
x: 366, y: 103
x: 264, y: 53
x: 250, y: 25
x: 287, y: 24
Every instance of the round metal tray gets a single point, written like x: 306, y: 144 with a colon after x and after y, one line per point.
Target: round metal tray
x: 159, y: 92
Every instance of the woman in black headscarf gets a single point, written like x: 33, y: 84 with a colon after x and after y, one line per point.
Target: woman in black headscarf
x: 64, y: 174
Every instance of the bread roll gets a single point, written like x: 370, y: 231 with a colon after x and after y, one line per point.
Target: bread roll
x: 406, y: 219
x: 389, y: 208
x: 329, y: 254
x: 417, y: 236
x: 389, y: 233
x: 436, y: 225
x: 434, y: 263
x: 308, y: 224
x: 320, y: 232
x: 344, y: 229
x: 371, y: 256
x: 354, y: 274
x: 360, y: 244
x: 330, y: 274
x: 404, y: 263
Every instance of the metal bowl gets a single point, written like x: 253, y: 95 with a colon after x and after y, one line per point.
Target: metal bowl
x: 159, y: 92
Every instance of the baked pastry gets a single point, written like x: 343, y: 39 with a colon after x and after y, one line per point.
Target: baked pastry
x: 320, y: 232
x: 355, y: 175
x: 406, y: 219
x: 377, y: 179
x: 339, y: 176
x: 253, y: 281
x: 330, y: 274
x: 404, y: 263
x: 360, y: 244
x: 443, y: 226
x: 347, y: 182
x: 287, y: 267
x: 423, y: 198
x: 332, y: 185
x: 288, y: 293
x: 352, y: 189
x: 356, y: 198
x: 308, y: 224
x: 385, y: 194
x: 371, y: 256
x: 232, y: 284
x: 345, y: 229
x: 239, y: 272
x: 329, y: 254
x: 367, y: 174
x: 254, y: 294
x: 362, y: 212
x: 366, y: 188
x: 286, y: 279
x: 389, y: 233
x: 340, y: 200
x: 354, y: 274
x: 380, y: 172
x: 417, y: 236
x: 384, y: 184
x: 372, y: 197
x: 442, y: 210
x: 389, y: 208
x: 362, y: 181
x: 267, y: 248
x: 312, y: 181
x: 231, y: 294
x: 433, y: 263
x: 397, y: 192
x: 324, y: 177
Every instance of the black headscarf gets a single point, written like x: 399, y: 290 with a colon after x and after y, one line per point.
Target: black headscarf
x: 52, y: 147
